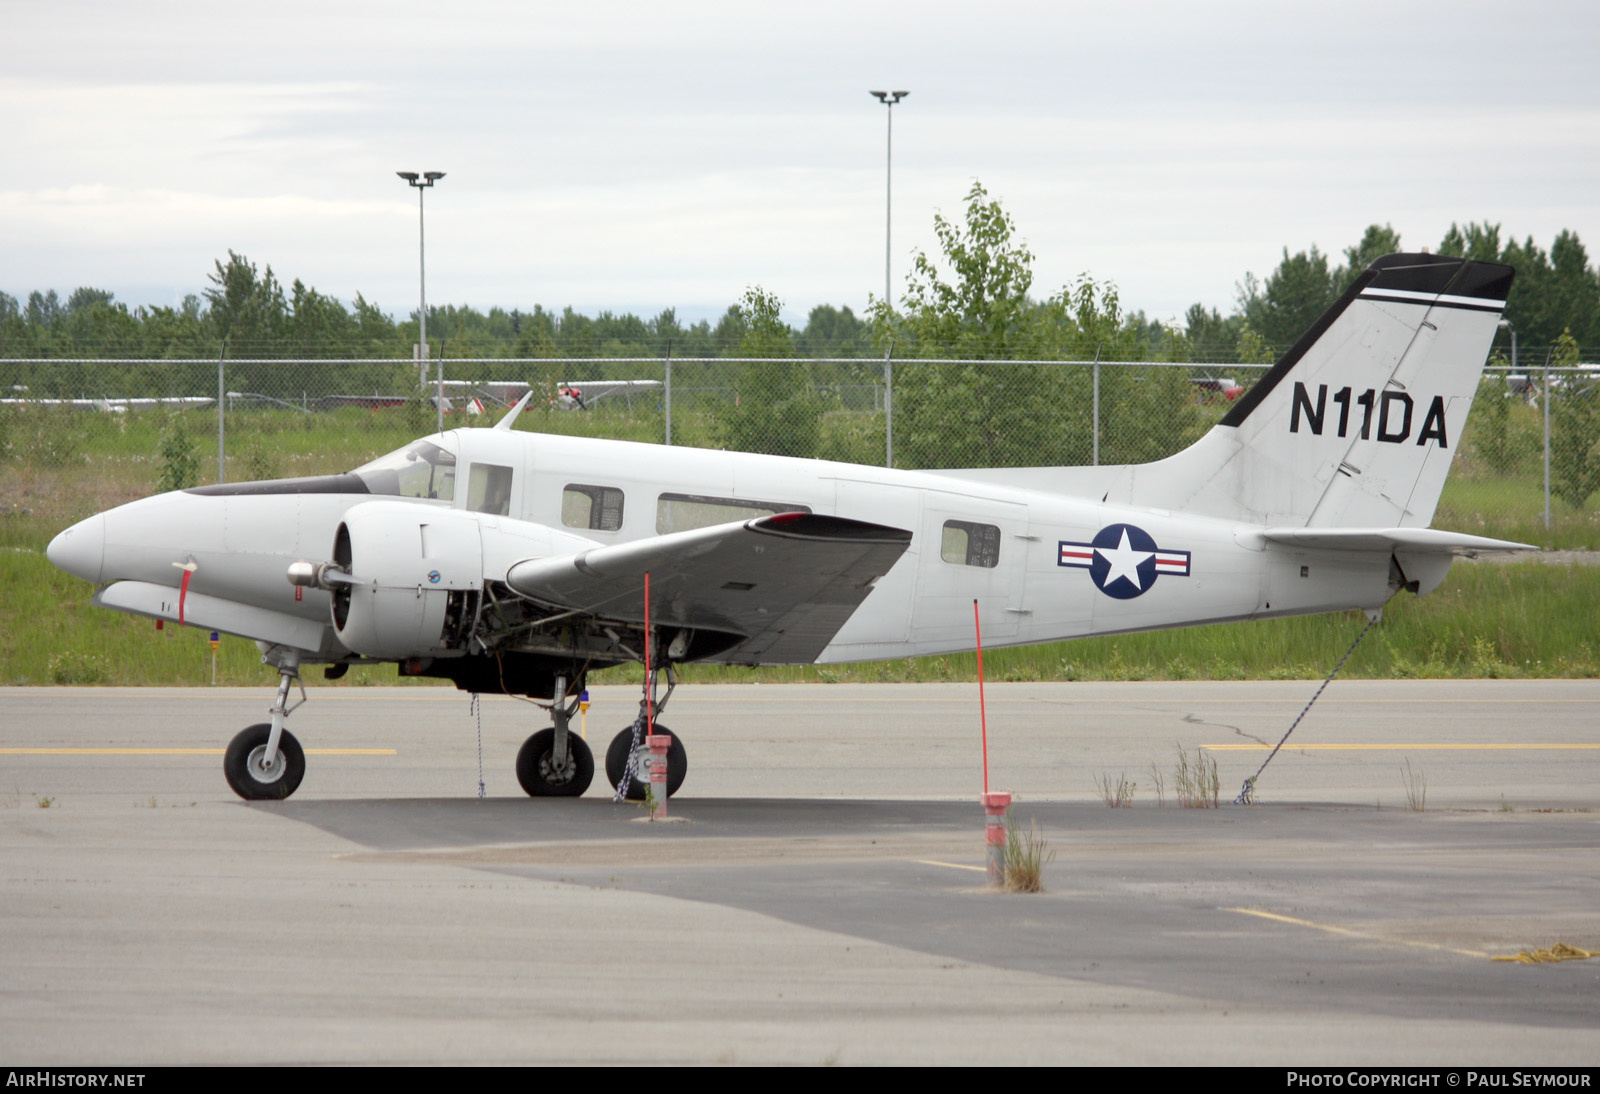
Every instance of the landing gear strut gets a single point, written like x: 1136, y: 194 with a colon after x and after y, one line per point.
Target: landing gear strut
x: 555, y: 763
x: 264, y: 762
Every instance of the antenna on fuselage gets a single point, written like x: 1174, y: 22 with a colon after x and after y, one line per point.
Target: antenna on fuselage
x: 505, y: 423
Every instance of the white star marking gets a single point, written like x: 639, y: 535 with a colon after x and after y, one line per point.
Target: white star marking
x: 1124, y: 561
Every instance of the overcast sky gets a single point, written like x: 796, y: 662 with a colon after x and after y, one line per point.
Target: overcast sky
x: 636, y: 156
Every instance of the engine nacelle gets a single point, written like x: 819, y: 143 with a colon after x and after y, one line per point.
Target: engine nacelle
x: 416, y: 574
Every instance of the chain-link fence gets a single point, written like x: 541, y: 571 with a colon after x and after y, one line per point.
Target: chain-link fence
x: 78, y: 435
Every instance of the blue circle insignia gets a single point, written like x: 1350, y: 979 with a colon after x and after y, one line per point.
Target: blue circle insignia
x: 1124, y: 564
x: 433, y: 576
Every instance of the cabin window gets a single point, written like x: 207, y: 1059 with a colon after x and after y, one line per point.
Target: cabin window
x: 595, y: 507
x: 681, y: 512
x: 969, y: 544
x: 489, y: 489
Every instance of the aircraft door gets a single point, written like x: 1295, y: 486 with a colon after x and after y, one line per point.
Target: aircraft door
x: 972, y: 548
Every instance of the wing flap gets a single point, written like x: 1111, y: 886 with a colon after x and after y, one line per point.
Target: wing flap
x: 785, y: 582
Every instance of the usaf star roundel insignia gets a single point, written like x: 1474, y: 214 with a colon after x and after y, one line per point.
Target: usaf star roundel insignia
x: 1123, y: 561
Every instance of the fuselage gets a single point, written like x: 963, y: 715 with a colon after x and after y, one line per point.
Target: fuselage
x: 1041, y: 566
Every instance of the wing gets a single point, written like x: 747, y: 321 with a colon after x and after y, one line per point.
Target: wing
x: 782, y: 585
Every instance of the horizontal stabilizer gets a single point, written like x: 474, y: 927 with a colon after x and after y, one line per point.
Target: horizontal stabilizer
x: 786, y: 582
x: 1414, y: 540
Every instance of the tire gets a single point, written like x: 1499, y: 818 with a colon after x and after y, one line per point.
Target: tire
x: 535, y: 774
x: 242, y: 765
x: 617, y: 756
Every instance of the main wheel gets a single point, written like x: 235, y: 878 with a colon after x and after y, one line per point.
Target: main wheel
x: 254, y: 780
x: 540, y: 776
x: 621, y: 756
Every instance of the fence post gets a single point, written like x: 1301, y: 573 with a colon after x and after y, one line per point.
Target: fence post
x: 668, y: 387
x: 222, y: 475
x: 1547, y: 396
x: 888, y: 406
x: 1096, y: 459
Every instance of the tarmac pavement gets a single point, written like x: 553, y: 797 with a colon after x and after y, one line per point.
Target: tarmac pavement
x: 819, y: 897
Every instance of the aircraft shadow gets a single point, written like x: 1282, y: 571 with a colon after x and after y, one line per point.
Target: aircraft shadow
x: 1379, y: 913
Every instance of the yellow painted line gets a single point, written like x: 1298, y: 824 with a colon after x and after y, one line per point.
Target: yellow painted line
x: 1292, y: 921
x: 179, y: 752
x: 951, y: 865
x: 1487, y: 747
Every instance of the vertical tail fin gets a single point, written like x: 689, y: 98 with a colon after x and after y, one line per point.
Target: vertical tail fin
x: 1356, y: 425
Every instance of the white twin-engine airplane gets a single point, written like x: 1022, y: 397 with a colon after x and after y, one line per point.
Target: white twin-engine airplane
x: 515, y: 563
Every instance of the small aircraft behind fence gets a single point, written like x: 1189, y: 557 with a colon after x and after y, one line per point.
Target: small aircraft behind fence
x: 515, y: 562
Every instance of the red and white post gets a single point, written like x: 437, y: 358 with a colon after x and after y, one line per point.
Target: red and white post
x: 995, y: 806
x: 659, y: 744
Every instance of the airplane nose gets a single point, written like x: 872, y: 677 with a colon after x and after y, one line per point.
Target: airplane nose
x: 80, y: 550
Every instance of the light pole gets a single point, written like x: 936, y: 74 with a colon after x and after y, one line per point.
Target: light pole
x: 425, y: 182
x: 888, y: 99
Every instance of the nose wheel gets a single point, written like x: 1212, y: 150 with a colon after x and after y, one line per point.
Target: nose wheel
x: 264, y: 762
x: 256, y: 778
x: 545, y: 775
x: 555, y: 762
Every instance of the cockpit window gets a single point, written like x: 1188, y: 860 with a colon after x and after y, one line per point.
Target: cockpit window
x: 420, y: 470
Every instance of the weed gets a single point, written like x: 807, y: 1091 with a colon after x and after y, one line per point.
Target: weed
x: 1027, y: 854
x: 647, y: 804
x: 1486, y: 662
x: 260, y: 461
x: 1159, y: 782
x: 1195, y: 781
x: 1416, y: 784
x: 1119, y: 794
x: 180, y: 460
x: 44, y: 802
x: 1505, y: 806
x: 73, y: 667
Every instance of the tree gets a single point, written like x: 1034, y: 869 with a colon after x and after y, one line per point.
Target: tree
x: 1375, y: 243
x: 1574, y: 430
x: 43, y: 308
x: 774, y: 409
x: 1212, y: 337
x: 833, y: 332
x: 1000, y: 414
x: 1293, y: 297
x: 247, y: 308
x: 982, y: 311
x: 1479, y: 242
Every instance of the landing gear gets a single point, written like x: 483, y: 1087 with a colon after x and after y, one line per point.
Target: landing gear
x: 628, y: 759
x: 555, y: 763
x: 622, y: 758
x: 256, y: 778
x: 264, y: 762
x: 543, y: 776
